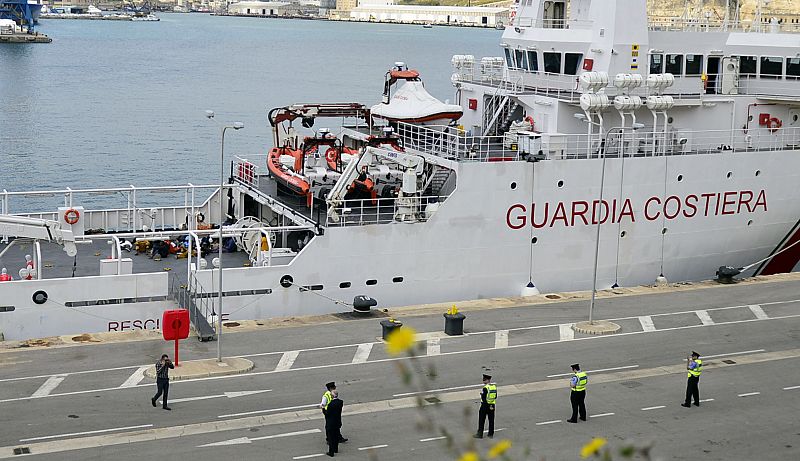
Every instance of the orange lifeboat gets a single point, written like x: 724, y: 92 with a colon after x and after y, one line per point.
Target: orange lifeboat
x: 282, y: 173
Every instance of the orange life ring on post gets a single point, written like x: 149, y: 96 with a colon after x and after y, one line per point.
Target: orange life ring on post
x: 774, y: 124
x: 72, y: 216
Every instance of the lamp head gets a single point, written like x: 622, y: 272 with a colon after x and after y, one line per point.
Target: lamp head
x: 638, y: 125
x: 209, y: 114
x: 579, y: 116
x: 238, y: 125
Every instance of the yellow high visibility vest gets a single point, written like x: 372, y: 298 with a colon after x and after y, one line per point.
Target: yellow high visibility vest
x: 491, y: 393
x: 329, y: 399
x: 698, y: 369
x: 582, y: 380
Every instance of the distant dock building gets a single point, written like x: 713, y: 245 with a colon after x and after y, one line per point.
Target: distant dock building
x: 387, y: 11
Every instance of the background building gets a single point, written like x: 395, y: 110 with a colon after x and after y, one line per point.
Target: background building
x: 258, y: 8
x: 413, y: 14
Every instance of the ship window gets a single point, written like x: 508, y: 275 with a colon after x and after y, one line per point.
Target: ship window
x: 372, y: 282
x: 509, y: 59
x: 793, y: 68
x: 747, y: 65
x: 771, y: 67
x: 533, y: 61
x: 552, y: 63
x: 656, y: 63
x: 674, y: 64
x: 571, y: 63
x: 397, y: 280
x: 520, y: 58
x: 344, y: 285
x: 694, y: 64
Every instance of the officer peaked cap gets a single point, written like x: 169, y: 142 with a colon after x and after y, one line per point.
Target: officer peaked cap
x: 331, y: 385
x: 695, y: 354
x: 575, y: 366
x: 487, y: 377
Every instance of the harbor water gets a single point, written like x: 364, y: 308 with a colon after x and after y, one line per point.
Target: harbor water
x: 109, y: 103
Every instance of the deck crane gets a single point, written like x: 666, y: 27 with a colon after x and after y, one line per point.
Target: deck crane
x: 20, y: 11
x: 38, y: 229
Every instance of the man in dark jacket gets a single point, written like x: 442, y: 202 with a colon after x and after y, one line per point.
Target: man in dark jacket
x: 333, y: 424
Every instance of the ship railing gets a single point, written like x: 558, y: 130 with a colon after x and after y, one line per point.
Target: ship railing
x: 541, y: 23
x: 246, y: 171
x: 141, y: 206
x: 362, y: 212
x: 455, y: 143
x: 663, y: 23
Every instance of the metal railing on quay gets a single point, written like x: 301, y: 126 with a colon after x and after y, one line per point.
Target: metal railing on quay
x: 362, y: 212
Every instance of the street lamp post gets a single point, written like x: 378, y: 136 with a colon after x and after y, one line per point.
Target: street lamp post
x: 235, y: 126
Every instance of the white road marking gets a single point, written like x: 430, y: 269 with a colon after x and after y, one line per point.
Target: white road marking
x: 136, y: 377
x: 431, y: 439
x: 362, y: 353
x: 565, y: 332
x: 434, y: 346
x: 601, y: 415
x: 653, y: 408
x: 229, y: 395
x: 561, y: 375
x: 315, y: 455
x: 287, y: 360
x: 758, y: 312
x: 271, y: 410
x: 647, y: 323
x: 727, y: 354
x: 791, y: 387
x: 704, y: 317
x: 500, y: 339
x: 240, y: 440
x: 548, y: 422
x: 101, y: 431
x: 431, y: 391
x: 48, y: 386
x: 749, y: 394
x: 706, y: 400
x: 373, y: 447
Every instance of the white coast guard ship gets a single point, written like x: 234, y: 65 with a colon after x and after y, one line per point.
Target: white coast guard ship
x: 678, y: 139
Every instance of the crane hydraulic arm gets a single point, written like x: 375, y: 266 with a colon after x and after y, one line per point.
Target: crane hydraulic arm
x: 38, y: 229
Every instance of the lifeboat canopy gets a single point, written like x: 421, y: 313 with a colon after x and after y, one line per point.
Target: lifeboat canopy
x: 412, y: 103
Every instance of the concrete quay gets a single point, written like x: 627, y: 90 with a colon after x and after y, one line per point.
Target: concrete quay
x: 24, y: 38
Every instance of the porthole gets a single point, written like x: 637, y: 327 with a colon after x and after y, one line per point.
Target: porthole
x: 758, y: 172
x: 730, y: 173
x: 623, y: 234
x: 372, y: 282
x: 534, y: 240
x: 561, y: 184
x: 513, y: 185
x: 670, y: 120
x: 750, y: 222
x: 344, y: 285
x: 664, y: 230
x: 680, y: 177
x: 397, y: 280
x: 39, y: 297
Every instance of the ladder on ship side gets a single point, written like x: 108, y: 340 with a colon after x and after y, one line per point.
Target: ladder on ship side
x: 193, y: 298
x: 437, y: 181
x: 502, y: 109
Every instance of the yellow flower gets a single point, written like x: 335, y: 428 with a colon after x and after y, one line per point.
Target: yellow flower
x: 400, y: 340
x: 469, y: 456
x: 499, y: 448
x: 593, y: 447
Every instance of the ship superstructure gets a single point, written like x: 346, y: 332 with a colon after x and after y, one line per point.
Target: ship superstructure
x: 666, y: 150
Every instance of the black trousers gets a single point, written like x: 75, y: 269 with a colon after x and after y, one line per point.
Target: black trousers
x: 692, y: 391
x: 486, y: 411
x: 332, y: 435
x: 163, y: 388
x: 578, y: 398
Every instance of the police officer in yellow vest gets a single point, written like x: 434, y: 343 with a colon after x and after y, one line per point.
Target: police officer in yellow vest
x: 327, y: 397
x: 488, y: 401
x: 694, y: 367
x: 577, y: 395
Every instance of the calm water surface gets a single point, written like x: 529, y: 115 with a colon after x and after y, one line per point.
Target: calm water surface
x: 109, y: 103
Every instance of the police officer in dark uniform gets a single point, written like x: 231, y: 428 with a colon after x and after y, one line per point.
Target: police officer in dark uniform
x: 694, y: 367
x: 577, y: 395
x: 488, y: 401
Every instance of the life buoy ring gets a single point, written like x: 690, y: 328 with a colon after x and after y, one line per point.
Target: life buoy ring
x: 529, y: 119
x: 72, y: 216
x: 331, y: 154
x: 774, y: 124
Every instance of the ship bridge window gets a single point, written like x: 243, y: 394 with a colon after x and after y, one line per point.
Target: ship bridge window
x: 509, y: 59
x: 674, y: 64
x: 571, y: 63
x: 519, y: 56
x: 793, y: 68
x: 552, y: 63
x: 533, y: 61
x: 747, y: 65
x: 694, y: 64
x: 656, y: 63
x: 771, y: 67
